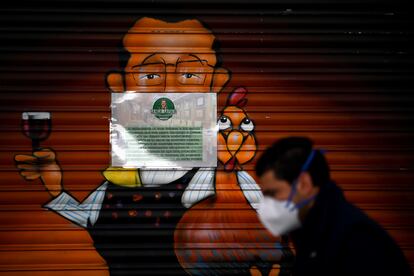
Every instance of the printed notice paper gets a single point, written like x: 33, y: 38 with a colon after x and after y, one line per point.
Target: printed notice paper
x: 163, y: 130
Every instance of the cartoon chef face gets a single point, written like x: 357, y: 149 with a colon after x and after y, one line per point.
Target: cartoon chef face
x: 169, y: 57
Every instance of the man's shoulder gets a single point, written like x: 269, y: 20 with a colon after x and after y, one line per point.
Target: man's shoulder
x: 367, y: 240
x: 365, y: 233
x: 339, y: 211
x: 355, y: 221
x: 352, y: 215
x: 350, y: 236
x: 345, y: 222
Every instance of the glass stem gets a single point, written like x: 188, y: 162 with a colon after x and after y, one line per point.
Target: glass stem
x: 35, y: 145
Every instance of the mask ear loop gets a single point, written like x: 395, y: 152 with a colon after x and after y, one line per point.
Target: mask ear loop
x: 304, y: 168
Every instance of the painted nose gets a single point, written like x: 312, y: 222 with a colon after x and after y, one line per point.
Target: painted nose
x: 234, y: 141
x: 170, y: 80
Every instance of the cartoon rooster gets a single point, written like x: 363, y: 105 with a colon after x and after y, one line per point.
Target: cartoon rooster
x: 221, y: 235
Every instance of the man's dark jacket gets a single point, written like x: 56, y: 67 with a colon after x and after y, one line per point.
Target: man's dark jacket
x: 337, y: 238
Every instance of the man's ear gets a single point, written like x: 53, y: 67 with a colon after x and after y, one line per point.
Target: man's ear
x: 115, y: 81
x: 305, y: 185
x: 220, y: 78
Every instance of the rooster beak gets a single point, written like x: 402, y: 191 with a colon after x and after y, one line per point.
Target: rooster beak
x: 234, y: 143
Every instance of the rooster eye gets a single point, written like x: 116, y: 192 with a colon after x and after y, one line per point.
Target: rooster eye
x: 224, y: 123
x: 247, y: 125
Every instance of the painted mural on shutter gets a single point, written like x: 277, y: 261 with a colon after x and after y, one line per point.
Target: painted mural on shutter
x: 339, y: 73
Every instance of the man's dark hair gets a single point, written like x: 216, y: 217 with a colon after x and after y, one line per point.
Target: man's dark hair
x: 286, y: 158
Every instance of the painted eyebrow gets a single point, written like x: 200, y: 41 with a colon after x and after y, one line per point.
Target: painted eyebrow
x: 145, y: 64
x: 195, y: 60
x: 149, y: 63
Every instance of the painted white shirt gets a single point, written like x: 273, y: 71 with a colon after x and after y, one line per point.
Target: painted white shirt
x: 201, y: 186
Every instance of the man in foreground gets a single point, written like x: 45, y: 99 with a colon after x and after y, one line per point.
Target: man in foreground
x: 330, y: 235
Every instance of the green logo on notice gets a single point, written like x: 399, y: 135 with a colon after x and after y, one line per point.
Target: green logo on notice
x: 163, y: 109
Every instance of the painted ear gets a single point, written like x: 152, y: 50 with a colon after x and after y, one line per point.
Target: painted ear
x: 220, y: 78
x: 238, y: 97
x: 115, y: 82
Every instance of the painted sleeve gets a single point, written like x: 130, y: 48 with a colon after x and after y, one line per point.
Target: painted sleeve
x: 200, y: 187
x: 79, y: 213
x: 250, y: 188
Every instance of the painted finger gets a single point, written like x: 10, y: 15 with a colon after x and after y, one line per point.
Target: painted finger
x: 45, y: 154
x: 25, y: 158
x: 30, y: 175
x: 28, y: 167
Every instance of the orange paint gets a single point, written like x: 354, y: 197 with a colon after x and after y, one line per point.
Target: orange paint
x: 224, y: 229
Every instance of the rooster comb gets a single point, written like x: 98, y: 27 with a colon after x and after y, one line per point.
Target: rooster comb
x: 238, y: 97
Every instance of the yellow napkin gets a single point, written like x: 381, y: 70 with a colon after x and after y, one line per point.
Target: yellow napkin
x: 123, y: 177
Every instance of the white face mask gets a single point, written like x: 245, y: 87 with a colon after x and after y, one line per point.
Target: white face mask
x: 278, y: 216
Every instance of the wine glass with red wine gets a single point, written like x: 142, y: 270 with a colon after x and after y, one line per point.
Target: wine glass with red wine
x: 36, y: 126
